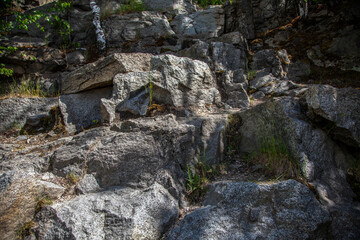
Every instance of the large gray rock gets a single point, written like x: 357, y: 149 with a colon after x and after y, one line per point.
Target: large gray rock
x: 199, y: 50
x: 346, y: 47
x: 134, y: 153
x: 179, y: 82
x: 219, y: 55
x: 262, y: 79
x: 254, y: 211
x: 203, y: 24
x: 270, y: 61
x: 19, y: 198
x: 235, y: 38
x: 122, y: 213
x: 173, y: 7
x: 137, y: 32
x: 338, y: 106
x: 297, y: 70
x: 81, y: 110
x: 102, y: 72
x: 15, y: 111
x: 227, y: 57
x: 323, y: 163
x: 210, y: 137
x: 236, y: 85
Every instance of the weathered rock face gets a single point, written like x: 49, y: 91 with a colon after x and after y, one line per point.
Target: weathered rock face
x: 102, y: 72
x: 127, y: 178
x: 137, y: 32
x: 338, y: 106
x: 172, y: 7
x: 146, y: 153
x: 120, y: 213
x: 20, y: 195
x: 230, y: 62
x: 284, y: 121
x: 210, y: 137
x: 203, y: 24
x: 254, y: 211
x: 252, y: 18
x: 175, y: 81
x: 15, y: 111
x: 239, y: 17
x: 325, y: 170
x: 115, y: 158
x: 34, y: 58
x: 81, y: 110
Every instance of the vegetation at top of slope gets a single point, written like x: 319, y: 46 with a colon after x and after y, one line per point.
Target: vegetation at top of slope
x: 12, y: 17
x: 205, y: 3
x: 130, y: 7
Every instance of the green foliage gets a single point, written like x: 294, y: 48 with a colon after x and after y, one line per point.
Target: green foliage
x: 130, y: 7
x: 198, y: 177
x: 5, y: 71
x: 274, y: 156
x: 251, y: 74
x: 26, y: 88
x: 42, y: 202
x: 205, y: 3
x: 72, y: 178
x: 23, y: 21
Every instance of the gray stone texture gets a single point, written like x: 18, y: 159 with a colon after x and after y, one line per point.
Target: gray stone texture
x: 81, y: 110
x: 15, y: 111
x: 203, y: 24
x: 102, y: 72
x: 137, y: 32
x: 122, y: 213
x: 338, y: 106
x: 254, y: 211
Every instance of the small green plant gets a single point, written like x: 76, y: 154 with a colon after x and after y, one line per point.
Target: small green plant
x: 199, y: 176
x: 251, y: 74
x: 72, y: 178
x: 42, y: 202
x: 95, y: 121
x: 130, y: 7
x: 25, y: 229
x: 274, y: 155
x: 25, y: 88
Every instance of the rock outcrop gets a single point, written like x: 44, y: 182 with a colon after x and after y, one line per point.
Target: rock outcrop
x: 190, y: 123
x: 254, y: 211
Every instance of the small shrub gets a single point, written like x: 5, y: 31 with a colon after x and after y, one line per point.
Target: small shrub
x: 274, y: 156
x: 251, y: 74
x: 72, y: 178
x: 45, y: 201
x: 199, y: 177
x: 132, y: 6
x: 24, y: 88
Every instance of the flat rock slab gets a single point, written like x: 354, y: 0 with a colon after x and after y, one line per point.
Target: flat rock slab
x: 117, y: 214
x: 15, y: 111
x: 102, y: 72
x: 82, y: 110
x: 286, y: 210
